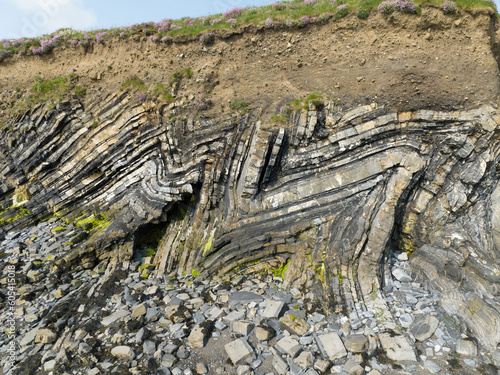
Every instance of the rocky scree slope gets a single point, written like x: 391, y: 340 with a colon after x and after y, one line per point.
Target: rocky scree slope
x: 322, y: 198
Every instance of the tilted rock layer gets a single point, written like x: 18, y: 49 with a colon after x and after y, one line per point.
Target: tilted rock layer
x: 325, y: 196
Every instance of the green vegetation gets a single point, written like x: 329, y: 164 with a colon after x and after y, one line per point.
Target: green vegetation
x: 315, y: 98
x: 21, y: 212
x: 134, y: 85
x: 54, y: 90
x: 93, y: 222
x: 149, y: 252
x: 240, y: 106
x: 195, y: 272
x: 59, y: 229
x: 287, y: 14
x: 143, y: 267
x: 177, y: 77
x: 280, y: 271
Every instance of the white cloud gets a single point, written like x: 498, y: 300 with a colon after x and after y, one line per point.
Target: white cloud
x: 37, y: 17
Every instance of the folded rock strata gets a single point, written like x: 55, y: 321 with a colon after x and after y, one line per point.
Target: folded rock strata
x: 328, y: 195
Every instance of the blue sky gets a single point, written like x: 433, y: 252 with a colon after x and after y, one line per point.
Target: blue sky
x: 37, y: 17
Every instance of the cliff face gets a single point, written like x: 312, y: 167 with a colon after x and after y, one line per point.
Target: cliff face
x: 406, y: 160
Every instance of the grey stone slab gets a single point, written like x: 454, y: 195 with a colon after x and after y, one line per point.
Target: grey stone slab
x: 397, y: 347
x: 273, y: 309
x: 331, y: 346
x: 239, y: 351
x: 245, y: 297
x: 110, y: 319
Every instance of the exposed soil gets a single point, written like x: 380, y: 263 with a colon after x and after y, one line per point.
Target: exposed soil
x: 403, y: 61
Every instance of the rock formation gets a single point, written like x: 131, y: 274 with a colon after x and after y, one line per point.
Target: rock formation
x: 326, y: 197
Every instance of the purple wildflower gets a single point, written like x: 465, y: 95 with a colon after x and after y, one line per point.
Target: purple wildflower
x: 122, y: 35
x: 279, y: 6
x: 100, y: 36
x: 309, y: 2
x: 232, y: 22
x: 166, y: 39
x: 404, y: 6
x: 47, y: 45
x: 141, y: 97
x: 386, y: 7
x: 269, y: 22
x: 343, y: 6
x: 304, y: 20
x: 207, y: 38
x: 449, y: 7
x: 203, y: 102
x: 153, y: 38
x: 214, y: 21
x: 233, y: 13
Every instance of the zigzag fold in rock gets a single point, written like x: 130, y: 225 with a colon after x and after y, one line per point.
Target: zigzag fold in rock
x: 328, y: 194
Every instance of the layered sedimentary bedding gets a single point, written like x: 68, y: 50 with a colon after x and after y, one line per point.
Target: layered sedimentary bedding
x: 325, y: 196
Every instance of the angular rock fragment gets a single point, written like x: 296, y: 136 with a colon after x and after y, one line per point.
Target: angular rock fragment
x: 289, y: 346
x: 273, y: 309
x: 294, y: 324
x: 239, y: 351
x: 331, y: 346
x: 125, y: 353
x: 397, y: 347
x: 356, y: 343
x: 200, y: 333
x: 467, y: 347
x: 45, y: 336
x: 264, y: 333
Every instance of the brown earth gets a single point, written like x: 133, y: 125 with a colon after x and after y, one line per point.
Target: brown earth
x: 403, y: 61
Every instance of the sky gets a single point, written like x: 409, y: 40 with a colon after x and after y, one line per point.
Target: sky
x: 28, y: 18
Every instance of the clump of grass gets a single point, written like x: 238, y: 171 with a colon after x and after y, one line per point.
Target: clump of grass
x: 240, y: 106
x: 134, y: 84
x: 315, y: 98
x: 177, y: 77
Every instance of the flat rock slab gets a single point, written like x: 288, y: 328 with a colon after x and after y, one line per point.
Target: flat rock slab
x: 239, y: 351
x: 273, y: 309
x: 245, y: 297
x: 110, y: 319
x: 331, y: 346
x: 288, y: 345
x: 397, y: 348
x: 432, y: 367
x: 401, y: 275
x: 424, y: 327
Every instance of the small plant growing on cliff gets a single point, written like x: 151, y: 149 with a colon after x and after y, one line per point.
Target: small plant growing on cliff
x: 403, y: 6
x: 362, y: 13
x: 203, y: 102
x: 134, y: 84
x: 207, y: 38
x: 239, y: 105
x: 449, y: 7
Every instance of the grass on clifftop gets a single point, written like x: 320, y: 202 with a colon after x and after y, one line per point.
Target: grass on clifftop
x: 283, y: 14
